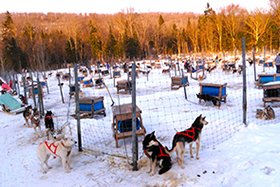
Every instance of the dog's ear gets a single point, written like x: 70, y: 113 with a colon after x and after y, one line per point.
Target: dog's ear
x: 152, y: 134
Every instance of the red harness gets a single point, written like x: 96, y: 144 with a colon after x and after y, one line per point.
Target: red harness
x: 189, y: 132
x: 48, y: 117
x: 37, y: 124
x: 161, y: 148
x: 52, y: 145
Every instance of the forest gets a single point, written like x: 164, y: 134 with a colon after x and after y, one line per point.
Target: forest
x: 43, y: 41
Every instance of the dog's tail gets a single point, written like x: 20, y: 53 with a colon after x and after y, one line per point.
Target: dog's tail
x: 170, y: 151
x: 164, y: 169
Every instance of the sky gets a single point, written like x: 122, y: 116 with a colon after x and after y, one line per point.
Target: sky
x: 112, y: 6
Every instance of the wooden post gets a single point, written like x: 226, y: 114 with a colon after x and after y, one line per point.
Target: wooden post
x: 264, y: 57
x: 134, y: 124
x: 184, y: 84
x: 33, y: 92
x: 78, y: 109
x: 24, y: 89
x: 60, y: 86
x: 244, y: 81
x: 254, y: 59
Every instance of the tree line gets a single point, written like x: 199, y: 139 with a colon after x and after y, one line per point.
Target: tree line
x: 39, y: 41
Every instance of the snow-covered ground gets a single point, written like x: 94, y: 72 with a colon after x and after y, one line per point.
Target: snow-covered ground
x: 231, y: 154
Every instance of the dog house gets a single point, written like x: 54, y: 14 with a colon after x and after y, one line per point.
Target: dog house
x: 122, y: 122
x: 136, y: 73
x: 271, y: 92
x: 87, y: 82
x: 117, y: 74
x: 105, y: 72
x: 268, y: 64
x: 124, y: 85
x: 215, y: 90
x: 36, y: 90
x: 98, y: 81
x: 266, y: 78
x: 72, y: 89
x: 178, y: 81
x: 92, y: 106
x: 80, y: 79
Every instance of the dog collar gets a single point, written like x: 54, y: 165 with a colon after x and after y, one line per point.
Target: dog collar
x: 67, y: 147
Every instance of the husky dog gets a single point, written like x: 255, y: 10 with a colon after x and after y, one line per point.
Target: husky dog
x: 190, y: 135
x: 27, y: 114
x: 49, y: 123
x: 35, y: 122
x: 207, y: 98
x: 267, y: 113
x: 156, y: 154
x: 22, y: 99
x: 61, y: 149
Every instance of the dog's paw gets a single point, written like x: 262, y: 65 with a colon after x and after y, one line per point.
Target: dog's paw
x: 44, y: 172
x: 67, y: 171
x: 197, y: 158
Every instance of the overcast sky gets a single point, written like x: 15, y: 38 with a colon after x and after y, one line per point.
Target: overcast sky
x: 114, y: 6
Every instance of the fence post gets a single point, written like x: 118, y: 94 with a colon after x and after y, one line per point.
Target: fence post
x: 254, y: 61
x: 134, y: 135
x: 184, y: 84
x: 33, y: 91
x: 60, y: 87
x: 244, y: 81
x: 78, y: 109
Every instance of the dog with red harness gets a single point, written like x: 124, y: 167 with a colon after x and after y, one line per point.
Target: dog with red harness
x: 61, y: 149
x: 35, y: 122
x: 190, y: 135
x: 156, y: 154
x: 49, y: 123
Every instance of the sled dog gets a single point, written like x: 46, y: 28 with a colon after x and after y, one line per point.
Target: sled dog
x: 190, y: 135
x: 27, y: 114
x: 156, y: 154
x: 207, y: 98
x: 61, y: 149
x: 35, y: 122
x: 49, y: 123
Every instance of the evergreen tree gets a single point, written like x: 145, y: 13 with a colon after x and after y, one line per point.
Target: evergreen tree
x: 95, y: 42
x: 112, y: 45
x: 70, y: 51
x: 12, y: 52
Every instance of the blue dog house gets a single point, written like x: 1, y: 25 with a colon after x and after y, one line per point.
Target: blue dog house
x: 268, y: 64
x: 117, y: 74
x: 126, y: 125
x: 216, y: 90
x: 178, y: 81
x: 92, y: 105
x: 36, y: 90
x: 87, y: 83
x: 266, y: 78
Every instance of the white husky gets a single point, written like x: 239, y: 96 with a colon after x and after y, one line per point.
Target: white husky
x: 61, y: 149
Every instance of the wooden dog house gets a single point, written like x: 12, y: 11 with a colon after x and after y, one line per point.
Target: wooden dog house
x: 98, y: 82
x: 87, y: 82
x: 215, y: 90
x: 266, y: 78
x: 178, y: 81
x: 136, y: 73
x: 117, y: 74
x: 271, y: 92
x: 72, y: 89
x: 122, y: 122
x: 124, y: 85
x: 36, y: 90
x: 92, y: 106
